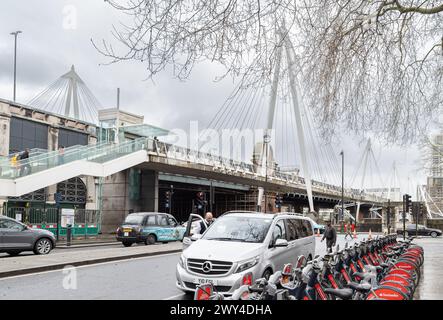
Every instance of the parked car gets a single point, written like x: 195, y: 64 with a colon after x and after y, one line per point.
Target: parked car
x: 149, y: 228
x: 239, y: 248
x: 16, y: 237
x: 421, y: 231
x: 317, y: 227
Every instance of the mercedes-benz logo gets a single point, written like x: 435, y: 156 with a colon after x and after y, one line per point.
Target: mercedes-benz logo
x: 207, y: 266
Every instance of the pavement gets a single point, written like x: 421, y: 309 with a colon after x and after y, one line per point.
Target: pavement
x: 431, y: 282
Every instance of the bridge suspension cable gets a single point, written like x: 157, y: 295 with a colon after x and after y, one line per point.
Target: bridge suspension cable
x: 68, y: 96
x: 274, y: 104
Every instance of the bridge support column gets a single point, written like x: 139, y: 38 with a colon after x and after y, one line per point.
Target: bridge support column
x: 114, y: 208
x: 91, y: 193
x: 5, y: 122
x: 149, y: 190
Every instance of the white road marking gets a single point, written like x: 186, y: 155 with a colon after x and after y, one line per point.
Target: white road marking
x: 91, y: 265
x: 176, y: 296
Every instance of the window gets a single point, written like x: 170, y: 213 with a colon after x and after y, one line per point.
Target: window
x: 292, y: 229
x: 10, y: 225
x: 172, y: 221
x: 72, y: 191
x: 301, y: 230
x: 150, y: 221
x: 163, y: 221
x: 240, y: 229
x: 68, y: 138
x: 27, y: 134
x: 307, y: 225
x: 279, y: 231
x: 133, y: 219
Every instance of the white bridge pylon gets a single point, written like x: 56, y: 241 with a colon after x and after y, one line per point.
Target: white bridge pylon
x: 296, y: 103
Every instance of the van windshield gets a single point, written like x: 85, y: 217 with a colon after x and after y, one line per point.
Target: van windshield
x: 239, y: 229
x: 134, y: 219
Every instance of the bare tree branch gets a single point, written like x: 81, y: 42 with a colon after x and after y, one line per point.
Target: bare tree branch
x: 371, y: 66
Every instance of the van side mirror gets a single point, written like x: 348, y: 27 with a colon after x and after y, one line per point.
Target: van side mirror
x: 280, y: 243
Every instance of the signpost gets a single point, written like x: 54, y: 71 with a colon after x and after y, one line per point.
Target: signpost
x: 58, y: 199
x: 67, y: 217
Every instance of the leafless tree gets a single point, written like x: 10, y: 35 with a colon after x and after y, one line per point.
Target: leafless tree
x: 368, y: 65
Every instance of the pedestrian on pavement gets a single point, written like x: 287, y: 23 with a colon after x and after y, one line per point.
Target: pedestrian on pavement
x: 208, y: 219
x: 331, y: 237
x: 353, y: 227
x: 348, y: 230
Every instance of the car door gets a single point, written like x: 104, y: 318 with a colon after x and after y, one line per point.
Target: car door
x: 191, y: 229
x: 422, y: 230
x: 279, y: 255
x: 2, y: 245
x: 309, y: 238
x: 149, y: 224
x: 165, y: 230
x: 14, y: 235
x: 294, y: 240
x: 177, y: 231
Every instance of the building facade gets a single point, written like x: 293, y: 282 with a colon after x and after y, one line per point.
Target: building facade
x: 23, y: 127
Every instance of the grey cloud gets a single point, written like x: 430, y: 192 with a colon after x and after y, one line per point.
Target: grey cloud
x: 46, y: 51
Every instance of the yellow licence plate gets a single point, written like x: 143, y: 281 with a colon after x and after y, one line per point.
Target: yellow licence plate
x: 127, y: 230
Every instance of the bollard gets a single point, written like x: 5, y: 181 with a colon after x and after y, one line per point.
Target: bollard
x: 68, y: 235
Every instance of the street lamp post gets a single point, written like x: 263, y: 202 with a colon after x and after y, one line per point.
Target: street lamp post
x: 342, y: 185
x: 15, y: 34
x: 266, y: 140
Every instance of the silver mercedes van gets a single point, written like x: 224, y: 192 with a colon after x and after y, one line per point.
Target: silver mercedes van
x: 239, y: 248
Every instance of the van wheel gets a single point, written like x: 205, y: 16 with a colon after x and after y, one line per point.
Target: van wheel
x: 151, y: 239
x: 267, y: 274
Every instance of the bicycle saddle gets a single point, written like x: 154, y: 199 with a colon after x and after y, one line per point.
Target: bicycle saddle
x: 256, y: 289
x: 361, y: 287
x: 344, y: 294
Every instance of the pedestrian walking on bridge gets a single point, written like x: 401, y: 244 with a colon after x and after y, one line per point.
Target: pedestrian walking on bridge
x: 331, y: 237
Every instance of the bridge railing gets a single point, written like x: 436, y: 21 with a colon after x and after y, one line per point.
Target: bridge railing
x: 230, y: 166
x: 95, y: 153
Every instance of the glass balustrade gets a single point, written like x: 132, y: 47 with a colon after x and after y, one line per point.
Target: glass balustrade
x: 96, y: 153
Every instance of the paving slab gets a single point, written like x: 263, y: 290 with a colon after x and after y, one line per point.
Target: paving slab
x: 431, y: 282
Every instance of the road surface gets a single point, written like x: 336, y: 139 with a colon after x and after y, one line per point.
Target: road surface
x: 142, y: 278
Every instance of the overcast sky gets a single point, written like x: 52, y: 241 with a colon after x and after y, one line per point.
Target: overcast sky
x: 47, y: 49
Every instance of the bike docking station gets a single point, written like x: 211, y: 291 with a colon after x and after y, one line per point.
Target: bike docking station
x: 378, y: 268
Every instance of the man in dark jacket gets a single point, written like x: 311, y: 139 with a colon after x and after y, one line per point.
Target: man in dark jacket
x: 331, y: 237
x: 208, y: 219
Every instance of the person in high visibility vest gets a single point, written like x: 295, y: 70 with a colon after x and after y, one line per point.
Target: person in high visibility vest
x: 14, y: 163
x: 348, y: 230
